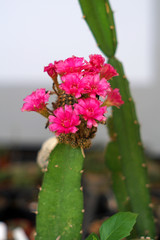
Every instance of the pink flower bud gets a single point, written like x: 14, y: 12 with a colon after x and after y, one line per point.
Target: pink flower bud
x: 50, y: 69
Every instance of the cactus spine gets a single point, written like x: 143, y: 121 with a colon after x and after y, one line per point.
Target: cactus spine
x: 99, y: 15
x: 62, y: 192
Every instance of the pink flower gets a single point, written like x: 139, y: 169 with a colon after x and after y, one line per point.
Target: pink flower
x: 72, y: 84
x: 95, y: 64
x: 50, y: 69
x: 108, y: 72
x: 36, y: 101
x: 64, y: 121
x: 91, y: 111
x: 97, y: 60
x: 114, y: 98
x: 70, y: 65
x: 94, y: 86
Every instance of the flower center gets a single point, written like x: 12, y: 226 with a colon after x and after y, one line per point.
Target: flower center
x: 74, y: 85
x: 65, y: 122
x: 94, y: 87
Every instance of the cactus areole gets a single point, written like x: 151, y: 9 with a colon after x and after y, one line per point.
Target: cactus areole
x: 77, y: 103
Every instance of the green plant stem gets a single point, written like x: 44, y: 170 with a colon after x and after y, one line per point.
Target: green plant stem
x: 119, y: 187
x: 101, y: 24
x: 60, y: 207
x: 132, y: 154
x: 99, y: 17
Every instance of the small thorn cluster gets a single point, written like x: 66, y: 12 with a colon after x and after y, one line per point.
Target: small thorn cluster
x: 83, y: 94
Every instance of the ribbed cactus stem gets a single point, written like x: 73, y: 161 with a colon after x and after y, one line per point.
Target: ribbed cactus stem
x: 61, y: 198
x: 113, y: 161
x: 132, y: 155
x: 99, y: 16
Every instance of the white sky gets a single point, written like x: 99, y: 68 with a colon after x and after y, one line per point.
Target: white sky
x: 37, y: 32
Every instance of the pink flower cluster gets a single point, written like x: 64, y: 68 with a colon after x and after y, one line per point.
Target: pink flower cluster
x: 83, y: 83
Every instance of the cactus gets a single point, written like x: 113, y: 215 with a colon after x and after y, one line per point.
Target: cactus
x: 101, y: 28
x: 74, y: 117
x: 60, y: 207
x: 132, y: 155
x: 98, y: 15
x: 113, y: 161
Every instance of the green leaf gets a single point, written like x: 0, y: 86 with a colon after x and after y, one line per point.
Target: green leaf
x: 118, y: 226
x: 92, y: 236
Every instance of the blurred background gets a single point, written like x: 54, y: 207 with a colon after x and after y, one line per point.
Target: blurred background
x: 35, y: 33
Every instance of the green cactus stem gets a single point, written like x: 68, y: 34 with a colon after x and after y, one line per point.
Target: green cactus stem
x: 101, y: 24
x: 132, y: 155
x: 125, y: 122
x: 60, y: 207
x: 113, y: 161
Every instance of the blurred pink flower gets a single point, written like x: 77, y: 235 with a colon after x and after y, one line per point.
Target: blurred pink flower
x: 94, y: 65
x: 36, y: 101
x: 94, y: 86
x: 91, y: 111
x: 114, y: 98
x: 64, y: 121
x: 73, y: 84
x: 50, y: 69
x: 96, y: 60
x: 108, y: 72
x: 70, y: 65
